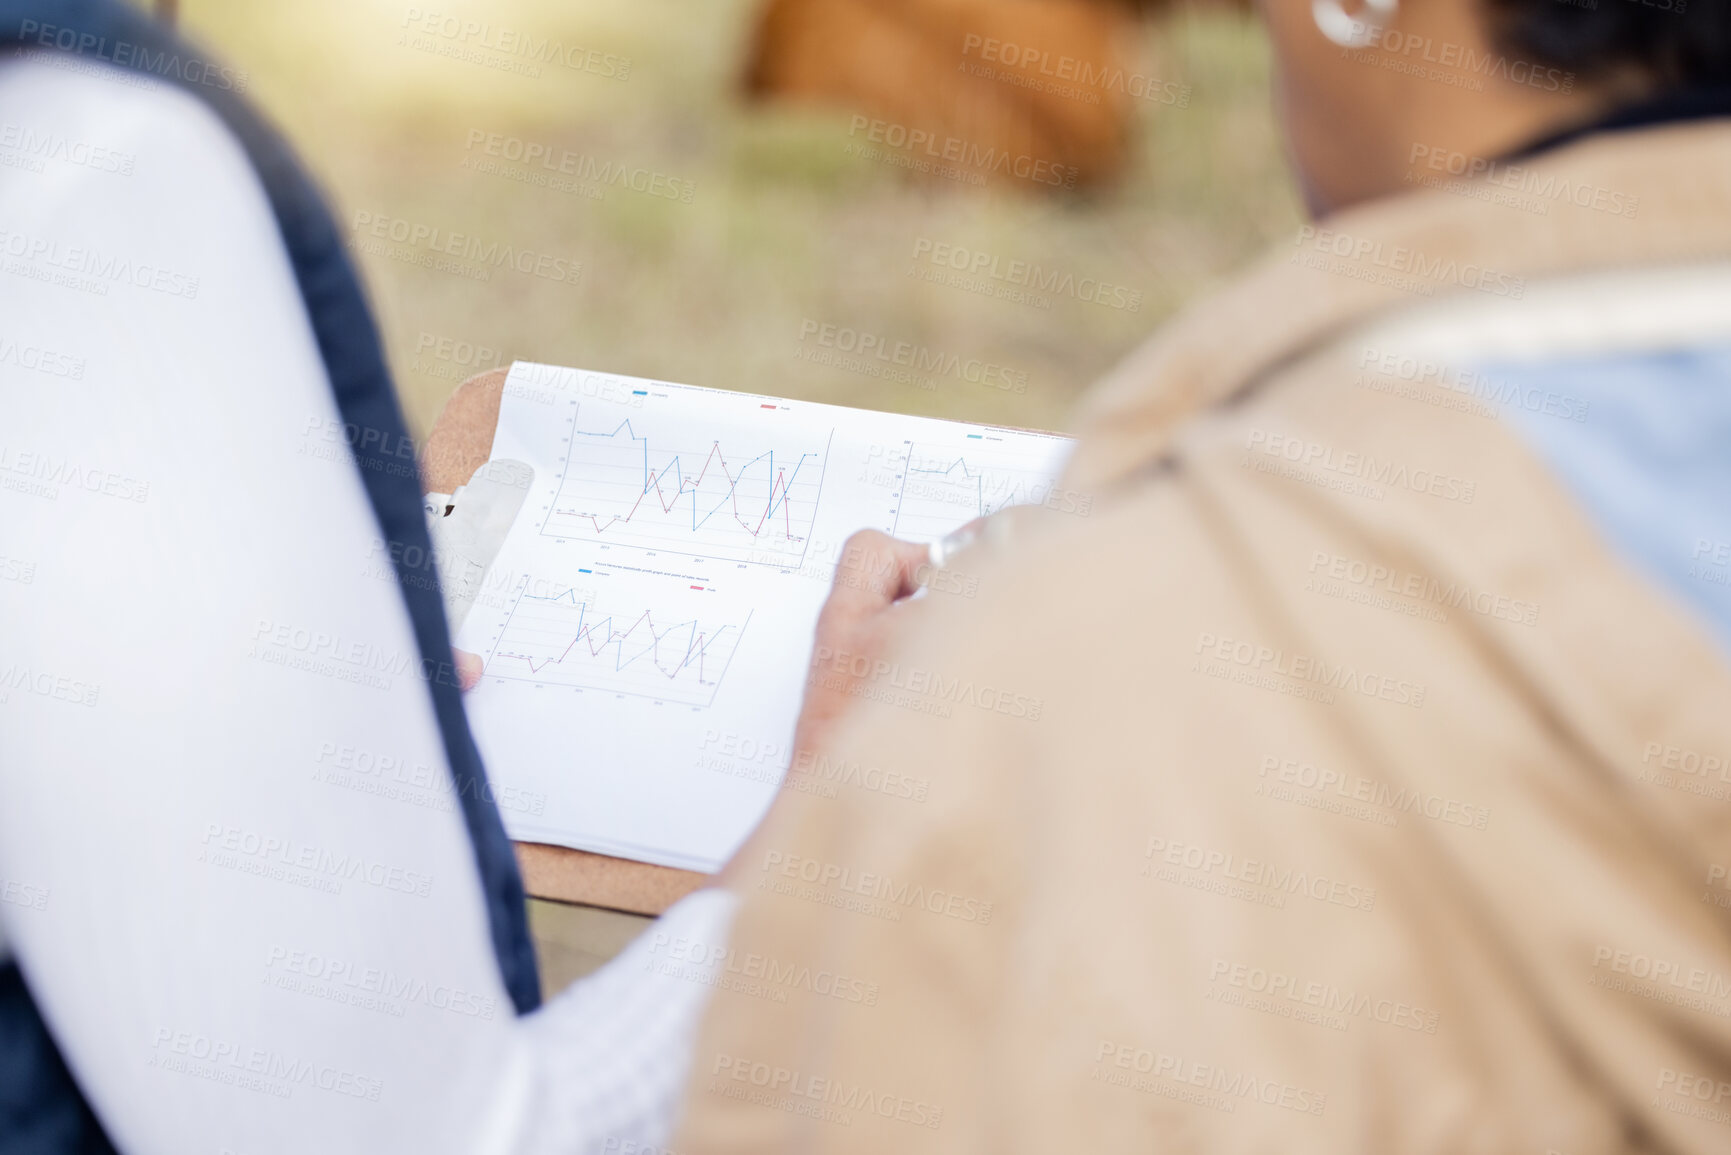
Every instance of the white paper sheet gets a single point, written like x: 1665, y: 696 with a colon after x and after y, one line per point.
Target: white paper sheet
x: 646, y: 627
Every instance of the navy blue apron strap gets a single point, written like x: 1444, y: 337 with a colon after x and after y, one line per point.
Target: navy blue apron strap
x: 41, y: 1111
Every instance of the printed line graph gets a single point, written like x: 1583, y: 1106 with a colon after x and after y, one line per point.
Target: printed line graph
x: 569, y: 639
x: 943, y: 489
x: 753, y: 504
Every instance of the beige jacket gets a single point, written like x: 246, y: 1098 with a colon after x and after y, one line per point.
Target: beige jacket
x: 1241, y: 828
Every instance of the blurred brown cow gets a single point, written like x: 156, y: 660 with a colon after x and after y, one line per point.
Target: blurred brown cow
x: 1033, y: 93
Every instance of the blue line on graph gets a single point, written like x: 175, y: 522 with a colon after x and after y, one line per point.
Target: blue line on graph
x: 733, y: 482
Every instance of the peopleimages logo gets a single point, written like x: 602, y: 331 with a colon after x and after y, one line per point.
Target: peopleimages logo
x: 1025, y: 275
x: 1687, y: 1094
x: 554, y: 161
x: 1376, y: 576
x: 956, y: 150
x: 1663, y: 971
x: 1709, y: 561
x: 878, y: 888
x: 1459, y: 64
x: 41, y: 360
x: 225, y: 844
x: 512, y: 50
x: 1687, y: 761
x: 14, y: 569
x: 1229, y: 1087
x: 764, y: 968
x: 1327, y: 998
x: 1363, y: 467
x: 40, y: 147
x: 1260, y: 873
x: 804, y: 1094
x: 415, y: 782
x: 42, y: 474
x: 1306, y: 668
x: 35, y: 897
x: 429, y: 246
x: 1067, y: 75
x: 350, y: 659
x: 1473, y: 384
x: 921, y: 362
x: 1368, y: 254
x: 345, y: 981
x: 254, y: 1068
x: 1371, y: 792
x: 87, y: 268
x: 921, y: 682
x: 60, y: 687
x: 1524, y: 180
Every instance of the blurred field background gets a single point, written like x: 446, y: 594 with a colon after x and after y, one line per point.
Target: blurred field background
x: 784, y: 225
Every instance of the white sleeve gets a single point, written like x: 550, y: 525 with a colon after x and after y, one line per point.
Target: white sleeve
x: 616, y: 1047
x: 236, y: 876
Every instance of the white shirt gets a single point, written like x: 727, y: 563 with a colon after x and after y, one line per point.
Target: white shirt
x: 232, y: 867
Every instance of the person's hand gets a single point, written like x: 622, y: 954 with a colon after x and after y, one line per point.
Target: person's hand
x: 469, y: 668
x: 874, y: 573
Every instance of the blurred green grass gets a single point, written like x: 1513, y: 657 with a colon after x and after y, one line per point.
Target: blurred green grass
x: 783, y: 226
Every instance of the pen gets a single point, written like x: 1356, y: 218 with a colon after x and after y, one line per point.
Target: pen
x: 954, y: 542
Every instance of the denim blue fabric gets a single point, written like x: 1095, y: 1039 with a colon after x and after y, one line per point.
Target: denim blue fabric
x: 1650, y: 462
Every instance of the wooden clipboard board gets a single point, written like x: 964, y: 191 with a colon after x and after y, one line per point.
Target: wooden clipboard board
x: 461, y: 441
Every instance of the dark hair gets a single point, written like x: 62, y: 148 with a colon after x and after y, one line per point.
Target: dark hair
x: 1670, y: 45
